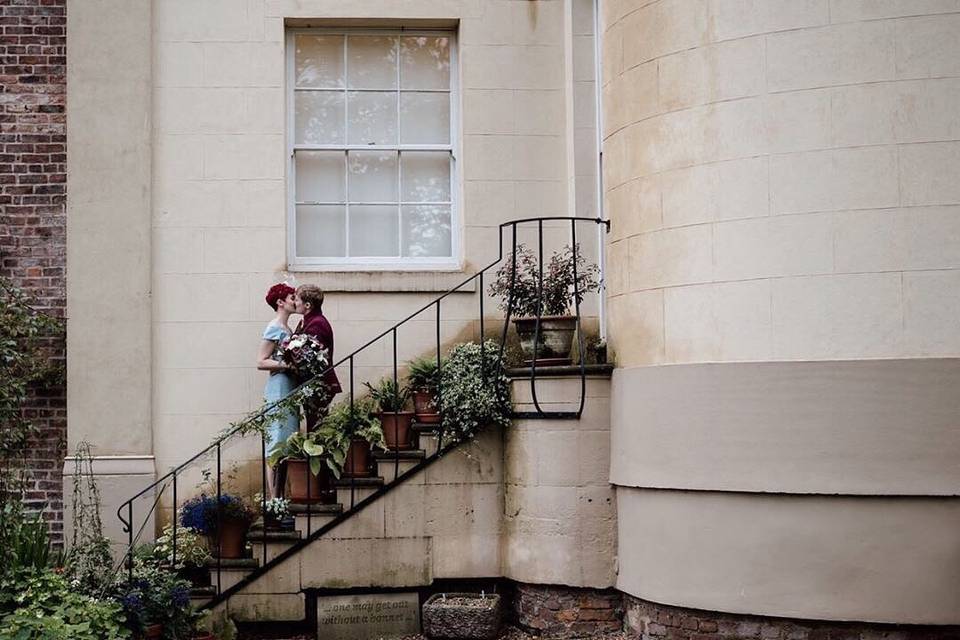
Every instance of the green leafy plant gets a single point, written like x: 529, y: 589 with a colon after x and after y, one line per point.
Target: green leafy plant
x: 324, y: 446
x: 558, y: 294
x: 26, y: 337
x: 45, y: 605
x: 390, y: 396
x: 423, y: 374
x: 476, y: 391
x: 191, y: 548
x: 356, y: 422
x: 24, y: 541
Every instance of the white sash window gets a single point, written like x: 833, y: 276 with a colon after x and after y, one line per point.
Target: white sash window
x: 372, y: 133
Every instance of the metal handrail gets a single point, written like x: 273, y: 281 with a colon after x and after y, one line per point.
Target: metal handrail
x: 170, y: 478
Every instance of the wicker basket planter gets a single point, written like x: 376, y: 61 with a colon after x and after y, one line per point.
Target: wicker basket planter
x: 462, y: 616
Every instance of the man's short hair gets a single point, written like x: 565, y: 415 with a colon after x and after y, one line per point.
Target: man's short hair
x: 311, y: 293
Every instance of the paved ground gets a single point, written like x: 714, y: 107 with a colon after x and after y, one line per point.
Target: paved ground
x: 509, y: 633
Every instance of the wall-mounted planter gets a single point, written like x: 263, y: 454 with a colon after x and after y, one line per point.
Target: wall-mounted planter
x: 462, y: 616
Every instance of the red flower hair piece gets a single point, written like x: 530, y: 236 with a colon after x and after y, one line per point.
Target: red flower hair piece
x: 277, y: 293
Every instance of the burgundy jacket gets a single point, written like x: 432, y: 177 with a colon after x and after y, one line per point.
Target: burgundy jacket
x: 316, y: 325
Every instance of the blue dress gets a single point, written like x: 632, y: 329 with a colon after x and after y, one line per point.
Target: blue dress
x: 278, y: 386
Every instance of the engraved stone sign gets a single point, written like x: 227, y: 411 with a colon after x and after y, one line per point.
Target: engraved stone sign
x: 367, y: 617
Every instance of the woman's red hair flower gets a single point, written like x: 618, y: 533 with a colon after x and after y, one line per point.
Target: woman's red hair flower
x: 277, y: 293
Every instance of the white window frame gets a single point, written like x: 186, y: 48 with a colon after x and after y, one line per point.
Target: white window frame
x: 452, y: 263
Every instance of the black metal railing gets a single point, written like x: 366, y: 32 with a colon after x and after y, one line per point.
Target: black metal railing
x: 172, y: 478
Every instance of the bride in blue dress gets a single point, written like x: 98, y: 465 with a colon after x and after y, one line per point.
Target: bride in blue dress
x: 281, y: 298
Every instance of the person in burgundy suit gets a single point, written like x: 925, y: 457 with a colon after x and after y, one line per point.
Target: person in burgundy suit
x: 309, y: 302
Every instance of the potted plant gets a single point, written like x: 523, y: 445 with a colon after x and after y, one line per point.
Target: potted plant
x: 391, y: 399
x: 191, y: 557
x: 550, y: 300
x: 310, y: 459
x: 476, y: 391
x: 156, y: 603
x: 363, y: 430
x: 225, y: 523
x: 274, y: 511
x: 462, y: 616
x: 423, y: 377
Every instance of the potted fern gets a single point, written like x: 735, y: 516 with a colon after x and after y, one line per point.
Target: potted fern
x: 550, y: 300
x: 422, y: 378
x: 391, y: 399
x: 363, y: 430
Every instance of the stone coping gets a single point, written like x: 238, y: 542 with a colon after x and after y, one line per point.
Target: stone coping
x: 563, y: 371
x: 408, y: 454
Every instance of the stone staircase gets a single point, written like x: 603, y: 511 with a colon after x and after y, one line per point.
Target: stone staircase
x: 530, y: 502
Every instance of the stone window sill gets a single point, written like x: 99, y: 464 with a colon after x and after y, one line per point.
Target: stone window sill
x: 387, y: 281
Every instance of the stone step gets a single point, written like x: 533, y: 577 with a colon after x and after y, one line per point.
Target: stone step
x: 318, y: 514
x: 388, y: 466
x: 350, y: 491
x: 232, y: 570
x: 276, y: 541
x: 428, y: 441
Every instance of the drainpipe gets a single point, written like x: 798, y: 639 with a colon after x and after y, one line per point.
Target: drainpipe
x: 598, y: 115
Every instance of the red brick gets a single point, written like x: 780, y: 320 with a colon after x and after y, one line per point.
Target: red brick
x: 32, y: 215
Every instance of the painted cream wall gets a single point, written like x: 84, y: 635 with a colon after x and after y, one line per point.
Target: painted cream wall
x: 109, y: 354
x: 780, y: 179
x: 219, y: 210
x: 560, y: 511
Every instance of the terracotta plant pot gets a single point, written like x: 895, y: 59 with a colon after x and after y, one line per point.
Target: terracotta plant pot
x: 153, y: 631
x: 304, y: 486
x: 357, y: 464
x: 232, y: 538
x: 396, y: 428
x: 298, y: 475
x: 425, y: 406
x: 554, y: 342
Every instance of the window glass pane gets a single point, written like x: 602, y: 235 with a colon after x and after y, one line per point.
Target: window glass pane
x: 373, y: 176
x: 426, y: 176
x: 372, y: 62
x: 425, y: 118
x: 372, y: 117
x: 318, y: 117
x: 320, y: 231
x: 426, y: 231
x: 319, y: 61
x: 373, y: 231
x: 320, y: 176
x: 425, y: 62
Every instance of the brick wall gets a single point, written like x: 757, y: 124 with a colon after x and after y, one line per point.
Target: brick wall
x: 567, y: 611
x: 32, y: 205
x: 652, y: 621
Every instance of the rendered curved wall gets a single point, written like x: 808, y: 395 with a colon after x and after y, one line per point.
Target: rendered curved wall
x: 783, y: 272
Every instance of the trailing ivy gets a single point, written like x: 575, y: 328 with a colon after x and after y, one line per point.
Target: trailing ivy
x: 474, y: 391
x: 25, y: 361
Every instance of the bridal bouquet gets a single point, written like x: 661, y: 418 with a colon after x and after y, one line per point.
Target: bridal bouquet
x: 304, y: 353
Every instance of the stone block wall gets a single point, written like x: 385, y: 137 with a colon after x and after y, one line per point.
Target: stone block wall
x: 32, y: 206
